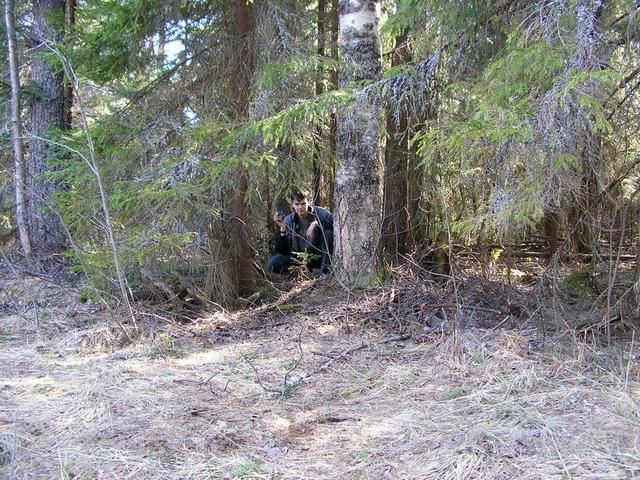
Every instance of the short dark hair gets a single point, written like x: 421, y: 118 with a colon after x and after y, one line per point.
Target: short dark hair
x: 299, y: 194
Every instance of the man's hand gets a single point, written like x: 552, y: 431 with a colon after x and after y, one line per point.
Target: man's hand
x: 280, y: 222
x: 310, y: 230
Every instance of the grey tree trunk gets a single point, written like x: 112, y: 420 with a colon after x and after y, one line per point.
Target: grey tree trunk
x: 16, y: 128
x: 47, y: 114
x: 360, y: 147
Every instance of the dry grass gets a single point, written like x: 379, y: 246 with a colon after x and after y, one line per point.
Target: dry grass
x: 185, y: 404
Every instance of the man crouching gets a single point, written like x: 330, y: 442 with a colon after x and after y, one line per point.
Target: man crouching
x: 307, y: 229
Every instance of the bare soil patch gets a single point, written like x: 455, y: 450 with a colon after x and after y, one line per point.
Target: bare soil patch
x: 465, y: 400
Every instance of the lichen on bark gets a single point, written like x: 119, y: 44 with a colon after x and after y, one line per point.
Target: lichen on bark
x: 360, y: 147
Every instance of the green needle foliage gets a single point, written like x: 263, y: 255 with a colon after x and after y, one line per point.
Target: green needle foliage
x: 503, y: 113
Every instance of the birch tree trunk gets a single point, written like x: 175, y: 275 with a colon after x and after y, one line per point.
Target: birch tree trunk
x: 360, y: 147
x: 47, y: 114
x: 16, y: 128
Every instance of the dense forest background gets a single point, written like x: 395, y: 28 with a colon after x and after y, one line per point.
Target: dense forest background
x: 160, y: 137
x: 482, y: 162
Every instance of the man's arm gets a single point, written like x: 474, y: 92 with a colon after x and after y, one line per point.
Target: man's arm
x: 283, y: 241
x: 326, y: 219
x: 283, y: 245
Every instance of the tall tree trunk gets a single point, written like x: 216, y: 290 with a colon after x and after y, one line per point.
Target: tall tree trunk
x: 396, y: 217
x: 590, y: 38
x: 335, y: 47
x: 318, y: 168
x: 16, y: 128
x: 242, y: 249
x: 333, y: 122
x: 70, y: 14
x: 47, y: 114
x: 584, y: 240
x: 360, y: 147
x: 638, y: 251
x: 551, y: 221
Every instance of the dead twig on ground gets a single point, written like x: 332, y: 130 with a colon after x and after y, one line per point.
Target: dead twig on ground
x: 283, y: 299
x: 22, y: 313
x: 259, y: 378
x: 345, y: 354
x: 287, y: 386
x: 462, y: 307
x: 346, y: 312
x: 298, y: 360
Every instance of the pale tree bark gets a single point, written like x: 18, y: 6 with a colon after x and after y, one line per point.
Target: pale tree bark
x: 360, y: 147
x: 47, y: 114
x: 16, y: 128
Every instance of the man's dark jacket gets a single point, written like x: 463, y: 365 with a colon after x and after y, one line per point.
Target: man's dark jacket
x: 284, y: 243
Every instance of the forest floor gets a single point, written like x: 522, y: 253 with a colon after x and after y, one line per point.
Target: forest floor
x: 387, y: 383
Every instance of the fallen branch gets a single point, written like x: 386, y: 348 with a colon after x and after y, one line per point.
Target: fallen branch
x: 461, y: 307
x: 570, y: 256
x: 288, y: 385
x: 283, y: 299
x: 159, y: 284
x: 298, y: 380
x: 259, y: 378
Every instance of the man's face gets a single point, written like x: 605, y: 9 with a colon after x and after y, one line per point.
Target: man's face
x: 300, y: 207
